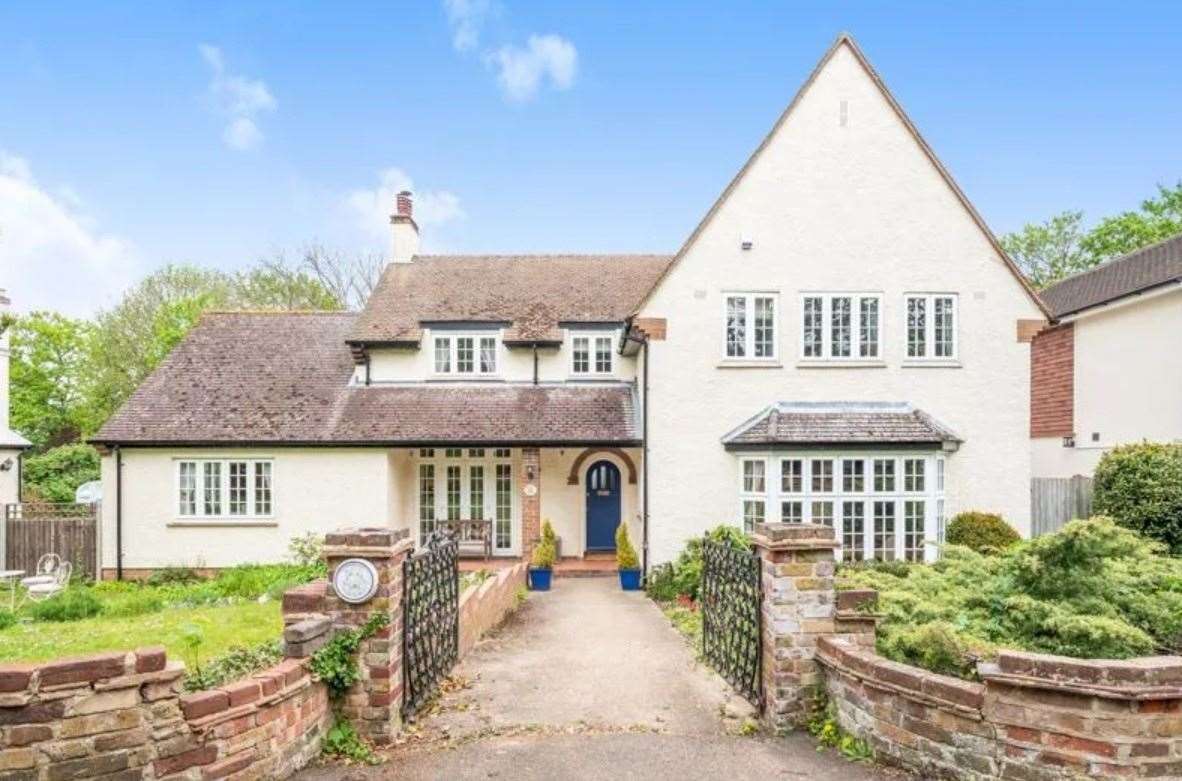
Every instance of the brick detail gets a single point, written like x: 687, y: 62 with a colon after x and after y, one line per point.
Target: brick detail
x: 531, y: 506
x: 654, y: 328
x: 1052, y: 382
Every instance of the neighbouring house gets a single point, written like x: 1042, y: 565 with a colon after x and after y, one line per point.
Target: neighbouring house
x: 840, y: 340
x: 1109, y: 370
x: 12, y: 444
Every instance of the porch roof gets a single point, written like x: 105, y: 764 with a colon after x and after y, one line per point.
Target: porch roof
x: 284, y: 379
x: 840, y: 423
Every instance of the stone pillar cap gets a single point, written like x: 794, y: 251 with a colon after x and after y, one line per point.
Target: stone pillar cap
x: 793, y: 535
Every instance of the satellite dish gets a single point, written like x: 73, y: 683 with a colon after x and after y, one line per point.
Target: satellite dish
x: 89, y: 493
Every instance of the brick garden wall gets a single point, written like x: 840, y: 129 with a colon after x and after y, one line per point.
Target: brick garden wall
x: 485, y: 605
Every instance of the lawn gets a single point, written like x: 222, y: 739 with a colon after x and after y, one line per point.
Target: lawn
x: 220, y: 626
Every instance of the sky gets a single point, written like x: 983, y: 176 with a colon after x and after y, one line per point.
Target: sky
x: 133, y: 135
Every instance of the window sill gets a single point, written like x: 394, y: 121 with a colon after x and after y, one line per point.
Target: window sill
x: 828, y: 363
x: 933, y: 363
x: 750, y: 364
x: 465, y: 378
x: 591, y: 378
x: 201, y: 523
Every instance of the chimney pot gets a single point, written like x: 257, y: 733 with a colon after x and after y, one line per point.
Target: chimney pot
x: 404, y: 203
x: 404, y: 233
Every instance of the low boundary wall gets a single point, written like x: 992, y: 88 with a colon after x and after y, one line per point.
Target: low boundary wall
x: 485, y: 605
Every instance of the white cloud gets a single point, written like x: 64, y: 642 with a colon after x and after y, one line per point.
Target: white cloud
x: 52, y: 255
x: 521, y: 71
x: 370, y: 209
x: 466, y: 18
x: 238, y: 98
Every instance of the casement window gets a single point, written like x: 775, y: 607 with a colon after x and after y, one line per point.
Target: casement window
x: 591, y: 354
x: 841, y: 326
x: 884, y: 506
x: 466, y: 354
x: 467, y: 484
x: 931, y: 326
x: 751, y: 326
x: 224, y: 488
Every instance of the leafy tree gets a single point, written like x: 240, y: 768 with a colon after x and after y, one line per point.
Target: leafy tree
x: 1158, y: 219
x: 1049, y: 251
x: 273, y: 284
x: 54, y: 475
x: 48, y: 359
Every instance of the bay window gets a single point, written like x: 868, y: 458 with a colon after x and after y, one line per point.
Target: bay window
x: 840, y: 326
x: 751, y: 326
x: 931, y: 326
x: 224, y: 488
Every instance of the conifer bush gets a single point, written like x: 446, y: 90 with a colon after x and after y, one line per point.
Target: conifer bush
x: 983, y: 532
x: 626, y: 557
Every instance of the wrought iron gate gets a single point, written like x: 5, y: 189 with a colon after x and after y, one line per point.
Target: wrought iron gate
x: 430, y: 619
x: 732, y: 617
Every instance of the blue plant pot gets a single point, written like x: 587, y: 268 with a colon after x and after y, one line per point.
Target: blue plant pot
x: 630, y: 579
x: 539, y: 579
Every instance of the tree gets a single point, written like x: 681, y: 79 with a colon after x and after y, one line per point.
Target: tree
x: 273, y: 284
x: 1158, y: 219
x: 1049, y: 251
x: 351, y: 278
x: 48, y: 357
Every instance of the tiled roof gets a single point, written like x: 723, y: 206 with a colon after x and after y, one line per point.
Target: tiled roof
x: 1136, y: 272
x: 531, y: 294
x: 284, y: 378
x: 808, y: 423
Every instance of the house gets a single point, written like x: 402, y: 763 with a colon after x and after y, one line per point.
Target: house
x: 12, y: 445
x: 1109, y: 370
x: 840, y: 340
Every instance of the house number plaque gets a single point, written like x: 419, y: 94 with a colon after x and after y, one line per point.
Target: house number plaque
x: 355, y: 581
x: 530, y: 490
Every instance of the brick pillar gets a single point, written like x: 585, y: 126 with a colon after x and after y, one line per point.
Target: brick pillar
x: 374, y: 703
x: 799, y: 607
x: 531, y: 500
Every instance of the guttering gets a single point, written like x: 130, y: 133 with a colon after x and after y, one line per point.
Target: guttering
x: 385, y: 444
x: 644, y: 466
x: 118, y: 514
x: 1123, y: 300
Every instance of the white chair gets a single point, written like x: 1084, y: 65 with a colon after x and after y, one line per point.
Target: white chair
x: 39, y: 592
x: 47, y: 566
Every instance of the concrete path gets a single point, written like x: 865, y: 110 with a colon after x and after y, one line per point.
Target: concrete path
x: 588, y: 681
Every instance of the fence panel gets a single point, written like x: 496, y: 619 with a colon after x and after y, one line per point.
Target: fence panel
x: 33, y: 529
x: 1056, y: 500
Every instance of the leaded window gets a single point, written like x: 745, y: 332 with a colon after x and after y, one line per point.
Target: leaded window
x: 751, y: 326
x: 841, y: 326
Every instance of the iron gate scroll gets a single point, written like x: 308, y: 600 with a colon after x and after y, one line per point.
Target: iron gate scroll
x: 430, y: 619
x: 732, y: 617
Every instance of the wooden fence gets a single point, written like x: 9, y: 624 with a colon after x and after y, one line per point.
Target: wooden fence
x: 1056, y: 500
x: 34, y: 529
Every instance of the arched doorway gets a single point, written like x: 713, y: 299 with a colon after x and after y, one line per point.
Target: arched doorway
x: 603, y: 505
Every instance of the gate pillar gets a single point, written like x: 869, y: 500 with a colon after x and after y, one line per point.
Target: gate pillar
x: 799, y: 607
x: 374, y: 703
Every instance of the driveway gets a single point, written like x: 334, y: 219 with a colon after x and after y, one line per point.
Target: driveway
x: 588, y: 681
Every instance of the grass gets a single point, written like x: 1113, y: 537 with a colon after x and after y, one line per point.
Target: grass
x: 687, y: 621
x: 221, y: 627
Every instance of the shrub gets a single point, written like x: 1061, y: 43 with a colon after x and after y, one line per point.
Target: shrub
x: 982, y: 532
x: 55, y: 474
x: 307, y: 551
x: 1140, y: 486
x: 7, y: 619
x: 683, y: 576
x: 543, y: 556
x: 235, y: 663
x: 72, y: 604
x: 626, y: 557
x: 166, y: 575
x: 251, y: 581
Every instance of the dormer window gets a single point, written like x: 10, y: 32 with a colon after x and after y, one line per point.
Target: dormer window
x: 591, y: 355
x: 466, y: 355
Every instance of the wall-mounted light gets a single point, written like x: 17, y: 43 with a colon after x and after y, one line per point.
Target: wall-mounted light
x: 745, y: 242
x: 7, y: 465
x: 1069, y: 440
x: 529, y: 473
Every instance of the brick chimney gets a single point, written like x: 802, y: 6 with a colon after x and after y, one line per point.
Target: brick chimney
x: 404, y: 233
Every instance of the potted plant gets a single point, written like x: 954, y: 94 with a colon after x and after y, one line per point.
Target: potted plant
x: 541, y: 564
x: 626, y: 560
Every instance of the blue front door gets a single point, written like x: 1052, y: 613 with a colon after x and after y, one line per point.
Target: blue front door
x: 603, y: 505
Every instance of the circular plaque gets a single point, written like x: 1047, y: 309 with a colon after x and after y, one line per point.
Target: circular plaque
x: 530, y: 490
x: 355, y: 580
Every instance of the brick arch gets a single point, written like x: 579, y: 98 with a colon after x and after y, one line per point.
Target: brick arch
x: 576, y: 467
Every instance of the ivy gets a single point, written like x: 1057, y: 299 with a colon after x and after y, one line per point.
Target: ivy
x: 336, y: 663
x: 343, y: 742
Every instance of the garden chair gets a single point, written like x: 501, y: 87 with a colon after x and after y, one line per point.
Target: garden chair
x: 39, y: 592
x: 47, y: 566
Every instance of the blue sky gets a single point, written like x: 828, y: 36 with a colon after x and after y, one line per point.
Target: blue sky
x: 136, y: 134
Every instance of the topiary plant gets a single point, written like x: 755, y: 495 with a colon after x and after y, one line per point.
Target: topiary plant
x: 982, y: 532
x: 546, y: 551
x: 626, y: 557
x: 1140, y: 487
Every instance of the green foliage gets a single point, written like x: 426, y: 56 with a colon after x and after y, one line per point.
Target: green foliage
x: 134, y: 603
x: 237, y: 662
x: 73, y: 604
x: 687, y: 621
x: 251, y: 581
x: 475, y: 578
x: 7, y: 619
x: 546, y: 551
x: 48, y: 354
x: 336, y: 663
x: 626, y: 557
x: 1091, y: 590
x: 307, y: 550
x: 192, y: 638
x: 1049, y: 251
x: 683, y: 576
x: 1140, y: 486
x: 55, y: 474
x: 823, y: 726
x: 173, y: 575
x: 1158, y: 219
x: 982, y: 532
x: 343, y: 742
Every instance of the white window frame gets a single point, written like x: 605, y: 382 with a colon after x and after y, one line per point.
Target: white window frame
x: 487, y: 459
x: 856, y: 298
x: 774, y: 496
x: 749, y: 297
x: 224, y: 514
x: 929, y: 329
x: 593, y: 338
x: 453, y: 369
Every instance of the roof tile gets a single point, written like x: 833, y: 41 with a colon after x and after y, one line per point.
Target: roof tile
x: 1146, y: 268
